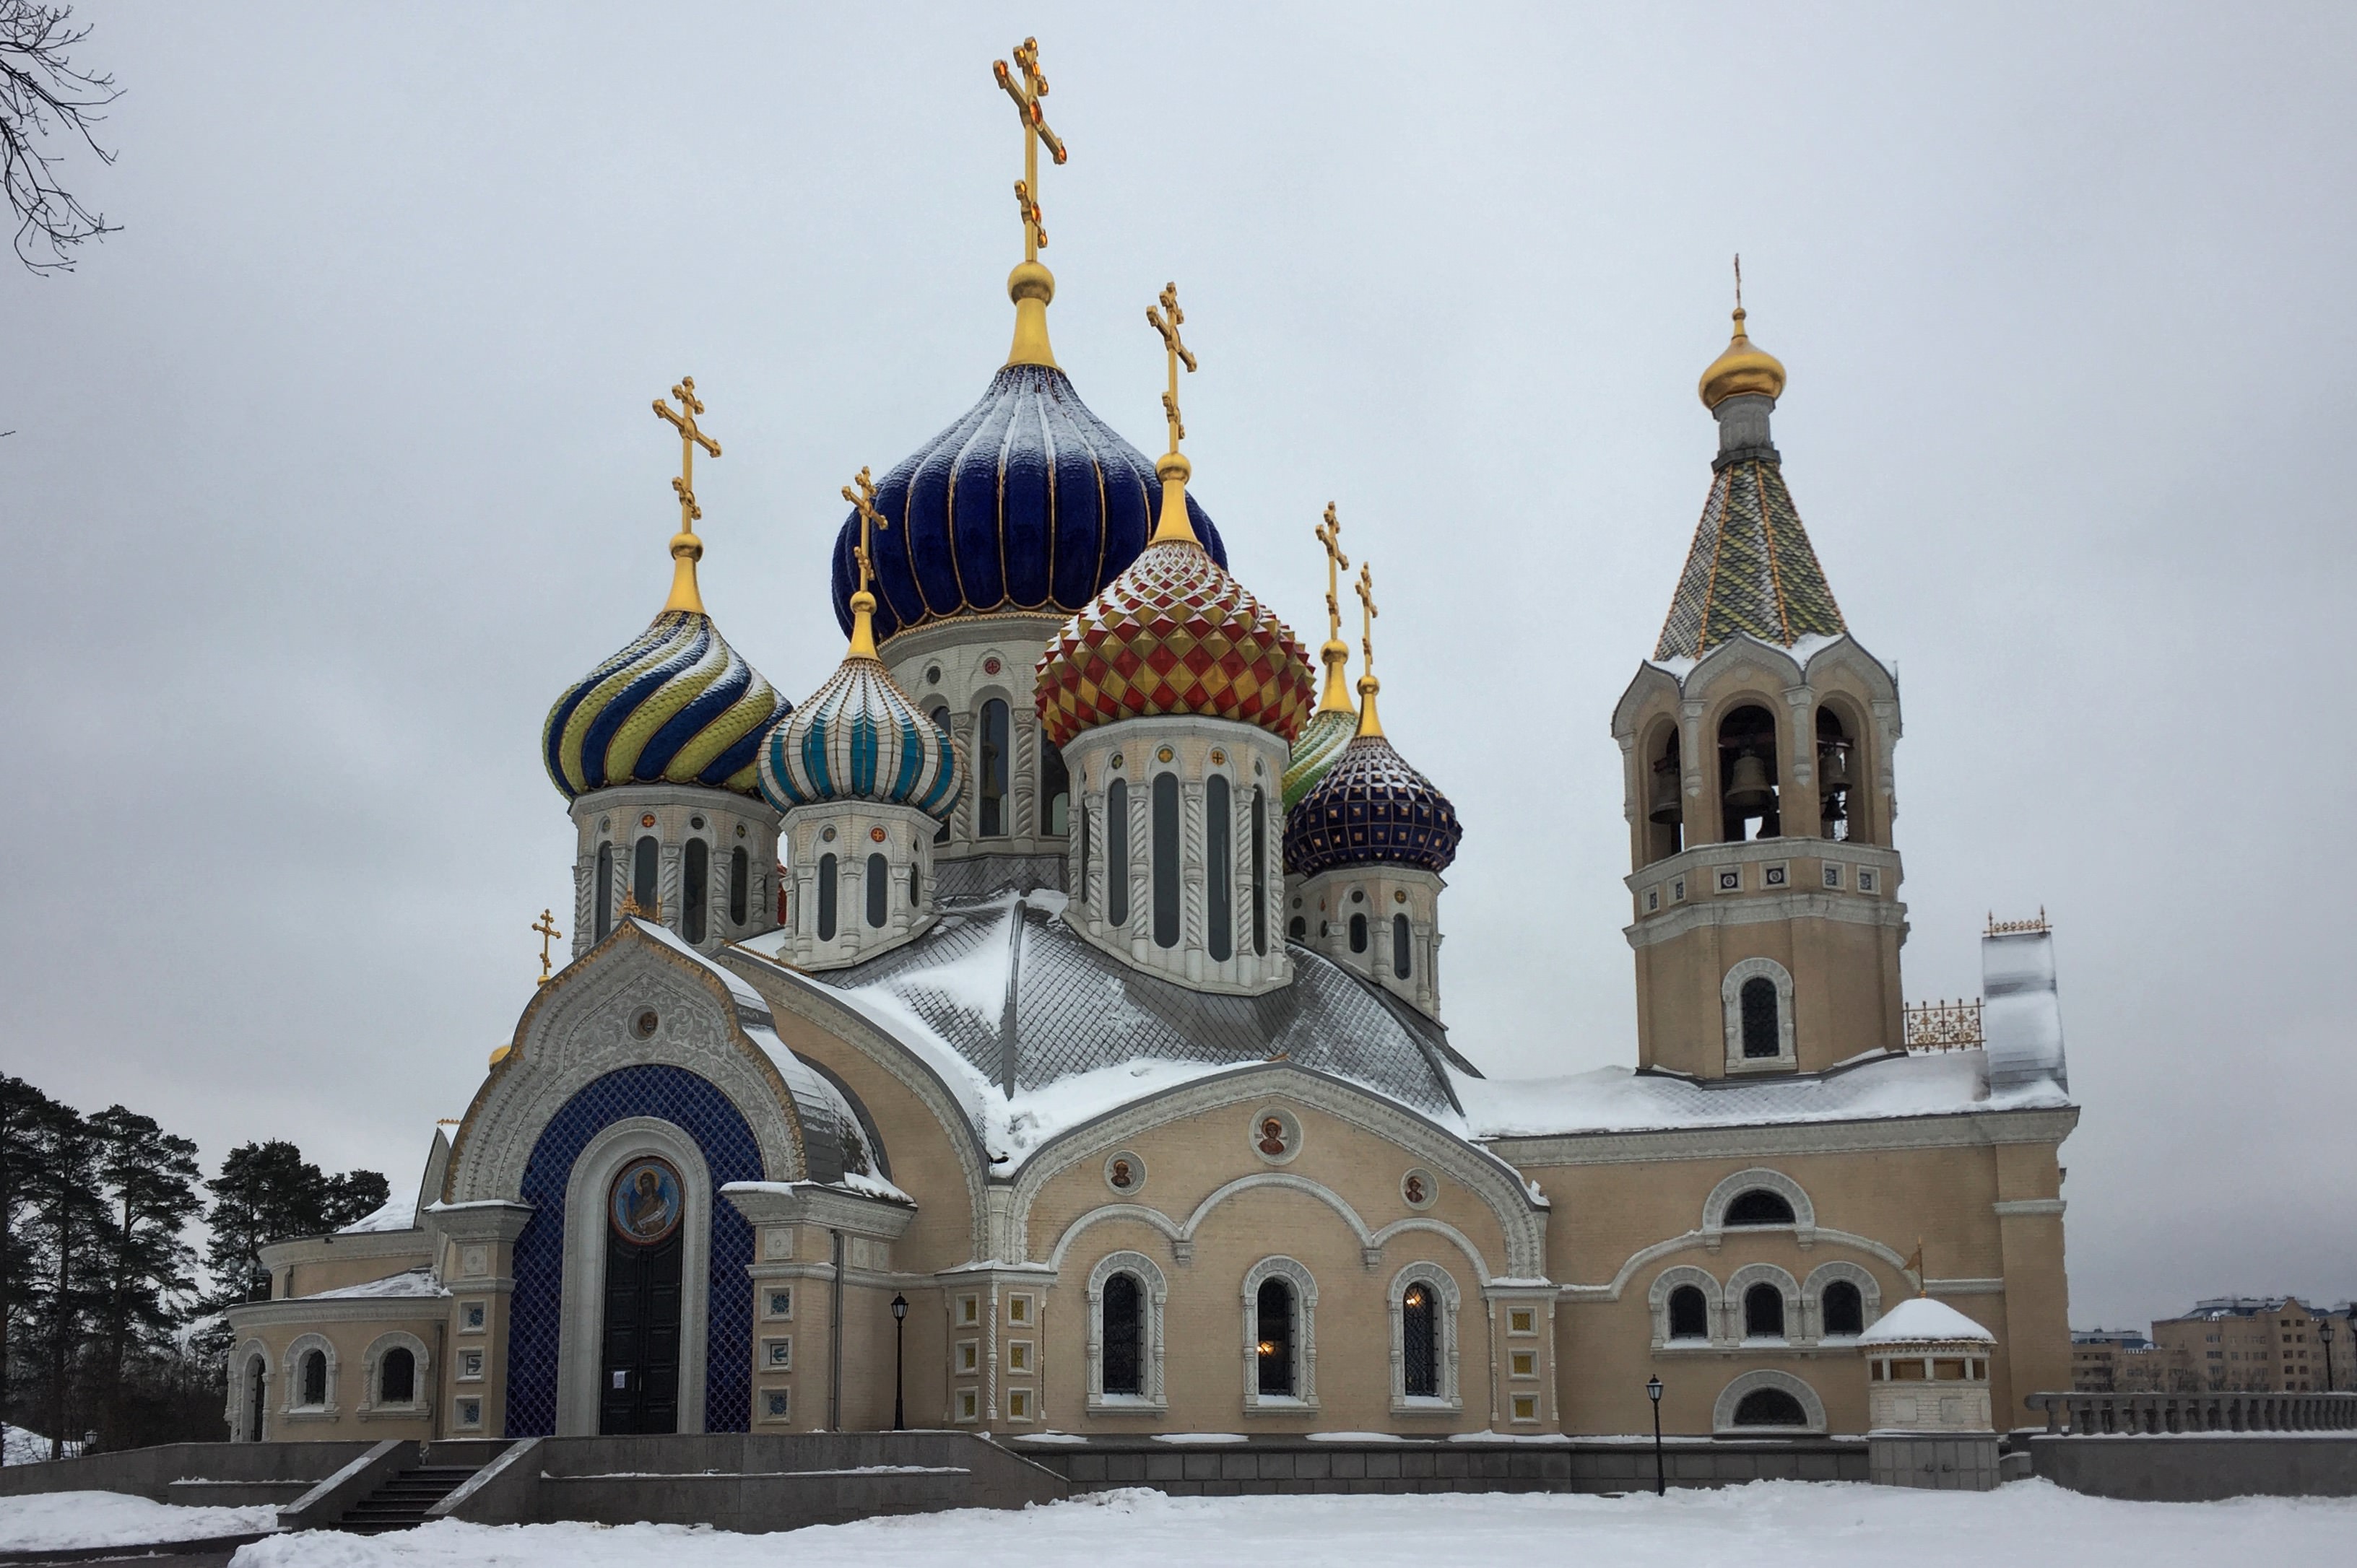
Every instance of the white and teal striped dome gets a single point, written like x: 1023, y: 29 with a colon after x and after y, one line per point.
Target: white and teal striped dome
x: 860, y: 738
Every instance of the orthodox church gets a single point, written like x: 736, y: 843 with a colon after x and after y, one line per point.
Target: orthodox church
x: 1037, y: 1028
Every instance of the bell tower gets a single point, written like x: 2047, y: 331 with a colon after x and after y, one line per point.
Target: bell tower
x: 1756, y: 745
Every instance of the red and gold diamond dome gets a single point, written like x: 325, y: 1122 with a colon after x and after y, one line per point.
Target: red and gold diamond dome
x: 1174, y: 634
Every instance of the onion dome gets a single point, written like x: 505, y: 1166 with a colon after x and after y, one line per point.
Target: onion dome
x: 677, y: 706
x: 1370, y: 807
x: 1313, y: 751
x: 1741, y: 369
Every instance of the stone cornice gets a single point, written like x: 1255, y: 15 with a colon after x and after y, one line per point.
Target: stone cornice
x: 308, y: 1310
x: 1753, y: 908
x: 854, y: 1213
x: 341, y: 1247
x: 1961, y: 1129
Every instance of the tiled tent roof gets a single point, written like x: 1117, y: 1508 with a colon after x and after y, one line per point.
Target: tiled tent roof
x: 1075, y: 1009
x: 1750, y: 570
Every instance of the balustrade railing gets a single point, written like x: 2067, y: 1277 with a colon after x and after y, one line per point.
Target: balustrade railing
x: 1942, y: 1025
x: 2137, y: 1415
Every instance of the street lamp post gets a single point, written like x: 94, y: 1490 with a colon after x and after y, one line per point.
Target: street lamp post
x: 1653, y: 1392
x: 2324, y: 1332
x: 899, y: 1350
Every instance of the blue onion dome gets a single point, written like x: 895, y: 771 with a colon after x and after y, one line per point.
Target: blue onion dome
x: 860, y: 738
x: 1029, y: 504
x: 1370, y: 807
x: 677, y: 706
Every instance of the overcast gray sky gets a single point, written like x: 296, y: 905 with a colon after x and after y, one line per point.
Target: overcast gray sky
x: 336, y: 465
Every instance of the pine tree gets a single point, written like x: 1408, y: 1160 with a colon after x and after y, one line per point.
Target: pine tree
x: 65, y: 1224
x: 269, y: 1192
x: 150, y: 1181
x: 23, y: 1112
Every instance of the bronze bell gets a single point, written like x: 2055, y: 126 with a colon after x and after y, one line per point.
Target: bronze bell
x: 1747, y: 794
x: 1665, y: 807
x: 1834, y: 811
x: 1832, y: 766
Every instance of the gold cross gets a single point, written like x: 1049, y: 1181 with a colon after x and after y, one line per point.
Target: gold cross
x: 863, y: 500
x: 690, y: 437
x: 548, y: 933
x: 1739, y: 280
x: 1167, y: 321
x: 1035, y: 131
x: 1367, y: 621
x: 1330, y: 535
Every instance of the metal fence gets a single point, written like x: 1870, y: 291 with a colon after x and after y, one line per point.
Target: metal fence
x: 1942, y: 1025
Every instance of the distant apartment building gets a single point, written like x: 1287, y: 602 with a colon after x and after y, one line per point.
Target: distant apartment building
x: 2114, y: 1361
x: 2251, y: 1344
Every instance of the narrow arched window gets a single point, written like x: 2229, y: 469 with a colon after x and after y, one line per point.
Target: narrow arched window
x: 605, y: 893
x: 694, y: 889
x: 1123, y: 1329
x: 1763, y: 1312
x: 740, y: 886
x: 1762, y: 1033
x: 915, y: 902
x: 397, y: 1377
x: 1689, y: 1313
x: 1747, y: 772
x: 1055, y: 791
x: 1118, y: 853
x: 826, y: 897
x: 879, y: 890
x: 1400, y: 955
x: 1358, y: 933
x: 642, y: 877
x: 1166, y: 860
x: 1759, y: 1206
x: 1843, y: 1307
x: 1298, y: 928
x: 1837, y: 791
x: 315, y: 1377
x: 1259, y: 869
x: 1770, y: 1407
x: 1419, y: 1342
x: 941, y: 722
x: 1219, y: 850
x: 1277, y: 1331
x: 991, y: 776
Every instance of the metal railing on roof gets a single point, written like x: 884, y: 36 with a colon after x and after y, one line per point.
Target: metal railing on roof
x: 1942, y: 1025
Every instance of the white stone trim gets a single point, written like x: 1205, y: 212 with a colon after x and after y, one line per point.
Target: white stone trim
x: 421, y: 1375
x: 1722, y: 1413
x: 302, y: 1345
x: 1730, y: 995
x: 1715, y: 1207
x: 1155, y: 1292
x: 1788, y: 1290
x: 2004, y: 1207
x: 1813, y: 1292
x: 579, y: 1347
x: 1970, y: 1128
x: 1447, y: 1400
x: 1611, y: 1289
x: 1714, y: 1297
x: 1305, y: 1339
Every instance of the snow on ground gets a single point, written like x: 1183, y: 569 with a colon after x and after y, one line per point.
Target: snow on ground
x: 1767, y: 1525
x: 19, y: 1446
x: 42, y: 1522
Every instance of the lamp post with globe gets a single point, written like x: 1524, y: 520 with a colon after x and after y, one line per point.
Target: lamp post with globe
x: 1653, y: 1392
x: 899, y: 1350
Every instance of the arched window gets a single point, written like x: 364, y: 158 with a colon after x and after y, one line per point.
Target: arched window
x: 1081, y: 874
x: 1055, y: 791
x: 605, y: 893
x: 826, y: 897
x: 1259, y: 865
x: 1759, y: 1206
x: 397, y: 1377
x: 740, y: 886
x: 257, y: 1373
x: 1836, y: 777
x: 1665, y: 805
x: 643, y: 876
x: 1124, y: 1336
x: 1761, y: 1037
x: 941, y: 722
x: 1844, y: 1308
x: 1118, y: 853
x: 879, y: 891
x: 693, y: 889
x: 1297, y: 930
x: 1358, y: 933
x: 1276, y: 1336
x: 315, y: 1377
x: 1689, y: 1314
x: 915, y: 902
x: 1419, y: 1342
x: 990, y: 778
x: 1770, y: 1407
x: 1747, y: 773
x: 1166, y: 860
x: 1400, y: 955
x: 1219, y: 852
x: 1763, y: 1313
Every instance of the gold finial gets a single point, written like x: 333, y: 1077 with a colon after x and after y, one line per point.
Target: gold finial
x: 1368, y: 685
x: 1742, y: 369
x: 634, y: 910
x: 863, y: 603
x: 687, y: 549
x: 1030, y: 286
x: 1173, y: 470
x: 1336, y: 654
x: 548, y: 933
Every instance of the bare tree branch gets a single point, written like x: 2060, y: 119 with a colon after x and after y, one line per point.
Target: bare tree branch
x: 41, y: 96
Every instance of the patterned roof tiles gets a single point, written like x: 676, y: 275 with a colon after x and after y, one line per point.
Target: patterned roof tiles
x: 1751, y: 569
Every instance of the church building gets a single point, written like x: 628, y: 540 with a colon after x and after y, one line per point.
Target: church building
x: 1039, y: 1026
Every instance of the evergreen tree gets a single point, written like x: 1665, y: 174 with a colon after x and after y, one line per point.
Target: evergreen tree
x: 149, y: 1178
x: 65, y: 1224
x: 23, y: 1112
x: 269, y: 1192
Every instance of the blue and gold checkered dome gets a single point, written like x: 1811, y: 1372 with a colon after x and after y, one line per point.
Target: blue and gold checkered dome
x: 677, y: 706
x: 1370, y: 807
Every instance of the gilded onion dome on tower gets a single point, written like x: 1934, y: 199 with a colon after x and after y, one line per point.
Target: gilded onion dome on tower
x: 678, y: 706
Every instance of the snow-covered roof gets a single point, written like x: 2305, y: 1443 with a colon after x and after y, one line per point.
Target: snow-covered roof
x: 399, y: 1212
x: 1612, y: 1100
x: 1920, y: 1319
x: 412, y: 1282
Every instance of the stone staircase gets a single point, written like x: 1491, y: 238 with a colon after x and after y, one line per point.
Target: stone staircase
x: 401, y: 1503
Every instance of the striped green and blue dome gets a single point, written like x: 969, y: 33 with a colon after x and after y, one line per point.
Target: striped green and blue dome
x: 1321, y: 740
x: 860, y: 738
x: 677, y: 706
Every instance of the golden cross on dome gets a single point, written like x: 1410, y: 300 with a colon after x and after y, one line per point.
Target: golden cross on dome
x: 863, y: 603
x: 686, y: 550
x: 1330, y: 535
x: 1167, y: 321
x: 1739, y: 280
x: 1026, y: 98
x: 1368, y: 684
x: 548, y: 933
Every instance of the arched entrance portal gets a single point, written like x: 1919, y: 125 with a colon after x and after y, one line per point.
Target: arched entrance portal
x: 640, y: 1354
